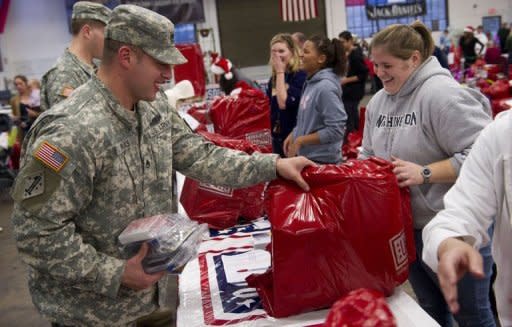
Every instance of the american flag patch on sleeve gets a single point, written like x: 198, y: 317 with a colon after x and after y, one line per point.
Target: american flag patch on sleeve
x: 51, y: 156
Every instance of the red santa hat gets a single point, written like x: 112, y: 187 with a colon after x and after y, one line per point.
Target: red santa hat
x: 221, y: 66
x: 469, y: 29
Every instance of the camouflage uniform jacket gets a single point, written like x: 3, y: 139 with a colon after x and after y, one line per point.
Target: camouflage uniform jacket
x: 107, y: 166
x: 67, y: 74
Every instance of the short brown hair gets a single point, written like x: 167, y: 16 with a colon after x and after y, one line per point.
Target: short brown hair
x: 77, y: 24
x: 111, y: 47
x: 402, y: 40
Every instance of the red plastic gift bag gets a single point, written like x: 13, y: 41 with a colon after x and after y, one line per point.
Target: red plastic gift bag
x: 200, y: 113
x: 193, y: 70
x: 352, y: 230
x: 500, y: 105
x: 360, y: 308
x: 220, y: 207
x: 244, y: 116
x: 498, y: 90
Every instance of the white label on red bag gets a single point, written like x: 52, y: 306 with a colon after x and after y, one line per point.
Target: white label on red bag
x: 220, y: 190
x: 399, y: 250
x: 260, y: 137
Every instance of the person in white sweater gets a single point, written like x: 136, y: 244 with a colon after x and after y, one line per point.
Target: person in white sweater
x: 481, y: 196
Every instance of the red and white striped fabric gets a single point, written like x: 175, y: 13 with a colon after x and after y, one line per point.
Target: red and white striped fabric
x: 298, y: 10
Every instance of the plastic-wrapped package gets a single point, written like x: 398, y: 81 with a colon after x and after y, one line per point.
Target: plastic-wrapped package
x: 173, y: 240
x: 220, y: 207
x: 145, y: 229
x: 361, y: 308
x: 244, y: 116
x: 158, y: 260
x: 353, y: 229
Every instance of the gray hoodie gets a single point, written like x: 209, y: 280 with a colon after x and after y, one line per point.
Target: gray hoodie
x: 321, y: 110
x: 431, y: 118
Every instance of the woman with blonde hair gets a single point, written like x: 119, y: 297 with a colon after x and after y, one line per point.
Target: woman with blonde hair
x: 284, y: 88
x: 425, y: 123
x: 25, y: 105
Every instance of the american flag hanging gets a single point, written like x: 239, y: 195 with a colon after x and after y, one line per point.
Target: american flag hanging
x: 298, y: 10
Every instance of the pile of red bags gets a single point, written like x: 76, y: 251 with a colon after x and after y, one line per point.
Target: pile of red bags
x: 497, y: 92
x: 352, y: 230
x: 354, y: 139
x: 492, y: 71
x: 220, y: 207
x: 200, y: 113
x: 244, y: 116
x: 360, y: 308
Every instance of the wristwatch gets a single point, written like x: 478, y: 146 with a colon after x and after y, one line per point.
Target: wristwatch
x: 426, y: 173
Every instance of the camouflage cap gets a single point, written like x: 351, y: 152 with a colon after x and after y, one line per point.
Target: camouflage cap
x: 145, y: 29
x: 91, y: 10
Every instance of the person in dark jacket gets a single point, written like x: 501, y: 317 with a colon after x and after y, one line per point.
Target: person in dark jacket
x: 467, y: 43
x: 503, y: 33
x: 441, y: 57
x: 284, y: 88
x: 354, y: 82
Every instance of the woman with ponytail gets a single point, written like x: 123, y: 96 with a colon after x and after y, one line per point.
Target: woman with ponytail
x: 425, y: 123
x: 321, y: 119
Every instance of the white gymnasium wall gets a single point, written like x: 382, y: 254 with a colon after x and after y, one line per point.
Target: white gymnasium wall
x: 470, y: 12
x: 36, y: 32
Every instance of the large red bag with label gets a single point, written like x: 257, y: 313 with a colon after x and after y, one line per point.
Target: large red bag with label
x: 244, y: 116
x: 352, y: 230
x: 220, y: 207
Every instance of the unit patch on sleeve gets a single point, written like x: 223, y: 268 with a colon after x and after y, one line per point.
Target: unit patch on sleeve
x: 51, y: 156
x: 33, y: 185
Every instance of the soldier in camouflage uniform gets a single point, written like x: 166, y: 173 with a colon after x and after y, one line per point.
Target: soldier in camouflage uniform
x: 103, y: 158
x: 75, y: 67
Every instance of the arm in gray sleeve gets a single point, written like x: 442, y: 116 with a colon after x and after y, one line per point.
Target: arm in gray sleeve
x: 197, y: 158
x: 458, y: 124
x: 334, y: 116
x: 367, y: 148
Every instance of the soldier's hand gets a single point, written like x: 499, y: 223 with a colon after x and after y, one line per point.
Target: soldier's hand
x: 290, y: 168
x: 456, y: 258
x: 134, y: 276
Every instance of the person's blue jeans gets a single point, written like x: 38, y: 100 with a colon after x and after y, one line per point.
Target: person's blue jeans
x: 473, y: 294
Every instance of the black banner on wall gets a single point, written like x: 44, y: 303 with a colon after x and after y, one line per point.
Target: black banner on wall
x: 178, y: 11
x: 395, y: 10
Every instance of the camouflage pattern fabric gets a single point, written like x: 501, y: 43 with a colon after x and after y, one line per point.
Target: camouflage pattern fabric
x: 91, y: 10
x: 89, y: 168
x: 66, y: 75
x: 147, y: 30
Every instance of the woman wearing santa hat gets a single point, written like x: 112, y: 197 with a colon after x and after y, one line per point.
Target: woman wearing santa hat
x: 467, y: 44
x: 284, y: 88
